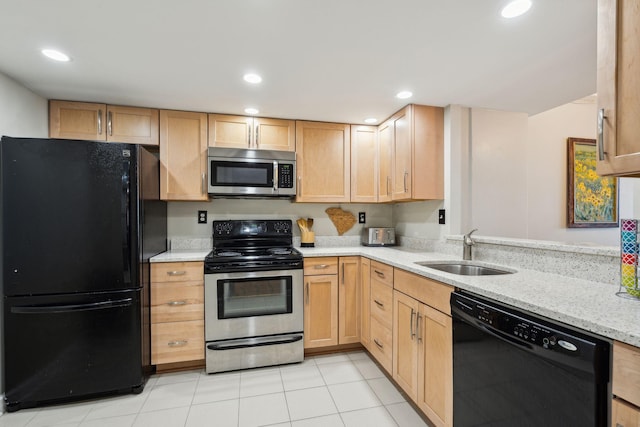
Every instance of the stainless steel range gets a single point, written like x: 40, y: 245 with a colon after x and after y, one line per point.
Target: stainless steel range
x: 253, y: 296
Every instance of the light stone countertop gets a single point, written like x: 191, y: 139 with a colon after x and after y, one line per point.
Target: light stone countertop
x: 584, y: 304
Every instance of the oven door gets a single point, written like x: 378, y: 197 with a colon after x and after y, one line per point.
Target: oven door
x: 253, y: 304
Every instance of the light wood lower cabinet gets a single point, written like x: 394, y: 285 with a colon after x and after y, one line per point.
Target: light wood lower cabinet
x: 332, y: 301
x: 422, y: 345
x: 625, y: 386
x: 365, y: 295
x: 624, y: 414
x: 177, y: 312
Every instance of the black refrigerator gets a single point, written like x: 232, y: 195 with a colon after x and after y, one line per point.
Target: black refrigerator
x: 80, y: 221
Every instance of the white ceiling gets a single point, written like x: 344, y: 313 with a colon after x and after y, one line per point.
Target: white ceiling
x: 330, y: 60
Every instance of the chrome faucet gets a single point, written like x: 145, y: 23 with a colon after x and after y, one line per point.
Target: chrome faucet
x: 467, y: 243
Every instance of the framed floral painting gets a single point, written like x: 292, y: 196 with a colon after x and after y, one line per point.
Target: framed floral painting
x: 592, y: 200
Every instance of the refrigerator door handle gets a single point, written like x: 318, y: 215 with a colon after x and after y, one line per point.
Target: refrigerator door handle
x: 126, y: 221
x: 47, y: 309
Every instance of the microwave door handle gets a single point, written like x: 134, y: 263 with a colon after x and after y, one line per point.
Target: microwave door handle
x: 275, y: 177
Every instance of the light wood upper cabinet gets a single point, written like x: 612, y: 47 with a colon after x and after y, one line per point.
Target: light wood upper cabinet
x: 249, y: 132
x: 101, y: 122
x: 323, y: 161
x: 385, y: 160
x: 349, y: 300
x: 415, y: 136
x: 364, y: 164
x: 183, y: 155
x: 618, y: 84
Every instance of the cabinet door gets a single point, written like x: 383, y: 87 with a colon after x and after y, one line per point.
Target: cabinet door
x: 320, y: 311
x: 365, y: 301
x: 402, y: 155
x: 385, y: 160
x: 323, y: 162
x: 405, y: 347
x: 183, y: 155
x: 364, y: 164
x: 77, y: 120
x: 132, y: 125
x: 275, y: 134
x: 625, y: 379
x: 230, y: 131
x: 624, y: 415
x: 435, y: 366
x: 349, y: 300
x: 427, y: 181
x: 618, y: 84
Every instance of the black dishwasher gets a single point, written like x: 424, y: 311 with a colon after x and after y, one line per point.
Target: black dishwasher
x: 515, y: 369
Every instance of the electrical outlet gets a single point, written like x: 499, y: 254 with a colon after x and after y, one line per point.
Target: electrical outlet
x: 441, y: 216
x: 362, y: 217
x: 202, y: 217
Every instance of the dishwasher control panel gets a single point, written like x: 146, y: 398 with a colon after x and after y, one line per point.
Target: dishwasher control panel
x: 516, y: 326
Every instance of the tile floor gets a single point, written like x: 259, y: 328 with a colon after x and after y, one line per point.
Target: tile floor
x: 346, y: 389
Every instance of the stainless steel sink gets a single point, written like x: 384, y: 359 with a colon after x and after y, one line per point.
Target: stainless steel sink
x: 464, y: 268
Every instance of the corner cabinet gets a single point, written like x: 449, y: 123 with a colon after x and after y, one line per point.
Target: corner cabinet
x: 251, y: 132
x: 101, y: 122
x: 183, y: 155
x: 414, y: 138
x: 331, y: 301
x: 323, y: 162
x: 364, y: 164
x: 618, y: 84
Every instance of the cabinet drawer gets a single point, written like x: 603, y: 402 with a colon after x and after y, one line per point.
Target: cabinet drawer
x: 177, y: 342
x: 626, y: 372
x: 177, y: 302
x: 381, y: 346
x: 177, y: 271
x: 382, y: 272
x: 427, y: 291
x: 382, y: 303
x: 624, y: 415
x: 321, y: 265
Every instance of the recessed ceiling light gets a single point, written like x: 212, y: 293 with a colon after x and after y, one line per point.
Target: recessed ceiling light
x: 55, y: 55
x: 252, y: 78
x: 516, y: 8
x: 404, y: 94
x: 371, y: 120
x: 251, y: 110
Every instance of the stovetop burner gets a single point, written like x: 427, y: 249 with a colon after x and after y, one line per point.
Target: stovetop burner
x: 252, y: 245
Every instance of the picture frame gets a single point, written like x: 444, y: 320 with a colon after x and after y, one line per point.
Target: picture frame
x: 592, y: 200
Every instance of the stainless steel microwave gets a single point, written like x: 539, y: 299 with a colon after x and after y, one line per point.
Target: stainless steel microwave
x: 235, y: 172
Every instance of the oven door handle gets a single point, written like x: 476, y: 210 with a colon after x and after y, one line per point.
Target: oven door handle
x: 254, y: 342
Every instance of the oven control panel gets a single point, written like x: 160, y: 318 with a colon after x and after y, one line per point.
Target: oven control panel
x: 251, y: 228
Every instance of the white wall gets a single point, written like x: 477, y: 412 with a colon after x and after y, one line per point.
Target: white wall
x: 498, y: 180
x: 22, y: 114
x: 547, y: 176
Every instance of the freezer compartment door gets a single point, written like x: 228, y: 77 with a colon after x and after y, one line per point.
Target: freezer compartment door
x: 69, y: 347
x: 69, y: 220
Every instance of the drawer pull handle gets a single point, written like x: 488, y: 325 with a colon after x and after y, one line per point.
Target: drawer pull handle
x: 381, y: 305
x: 307, y: 293
x: 179, y: 343
x: 176, y: 273
x: 321, y: 266
x: 413, y: 334
x: 377, y: 343
x: 174, y: 303
x: 379, y: 273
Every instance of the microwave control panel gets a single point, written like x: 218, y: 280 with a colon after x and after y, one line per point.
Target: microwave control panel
x: 285, y: 175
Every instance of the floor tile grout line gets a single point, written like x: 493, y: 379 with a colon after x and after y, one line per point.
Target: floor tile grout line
x: 284, y: 392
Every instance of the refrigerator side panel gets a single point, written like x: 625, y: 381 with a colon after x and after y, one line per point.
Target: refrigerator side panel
x: 69, y: 216
x: 72, y: 346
